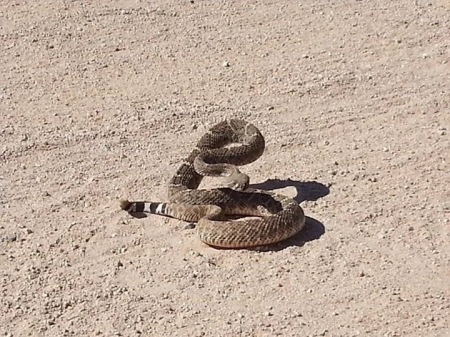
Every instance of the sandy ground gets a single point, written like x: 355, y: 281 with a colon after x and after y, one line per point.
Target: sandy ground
x: 101, y: 100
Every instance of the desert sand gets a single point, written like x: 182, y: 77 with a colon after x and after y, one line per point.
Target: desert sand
x: 102, y: 100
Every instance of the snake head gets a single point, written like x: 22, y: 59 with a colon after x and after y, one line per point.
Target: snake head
x: 238, y: 181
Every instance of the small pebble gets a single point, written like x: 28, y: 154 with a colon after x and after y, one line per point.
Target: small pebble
x: 27, y: 230
x: 11, y: 238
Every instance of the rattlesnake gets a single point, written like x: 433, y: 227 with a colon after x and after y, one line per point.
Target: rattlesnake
x: 279, y: 217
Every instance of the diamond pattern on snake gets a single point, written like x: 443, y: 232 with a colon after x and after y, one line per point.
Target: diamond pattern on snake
x: 274, y: 217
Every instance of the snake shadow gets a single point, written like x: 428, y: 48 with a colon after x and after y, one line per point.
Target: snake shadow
x: 306, y: 191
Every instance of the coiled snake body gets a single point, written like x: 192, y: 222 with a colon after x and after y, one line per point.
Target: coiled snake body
x: 279, y: 217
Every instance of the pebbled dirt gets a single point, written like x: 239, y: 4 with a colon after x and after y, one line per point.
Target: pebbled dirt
x: 101, y: 100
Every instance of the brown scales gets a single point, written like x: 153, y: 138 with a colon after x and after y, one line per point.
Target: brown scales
x: 280, y: 217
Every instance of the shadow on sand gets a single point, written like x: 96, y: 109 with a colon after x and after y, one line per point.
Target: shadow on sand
x: 306, y: 190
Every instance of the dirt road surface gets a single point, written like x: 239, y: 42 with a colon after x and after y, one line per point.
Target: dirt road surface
x: 101, y: 100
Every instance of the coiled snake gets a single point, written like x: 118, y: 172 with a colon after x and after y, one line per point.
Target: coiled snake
x: 279, y: 217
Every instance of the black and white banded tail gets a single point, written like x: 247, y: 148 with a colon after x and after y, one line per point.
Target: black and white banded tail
x: 145, y: 207
x: 186, y: 212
